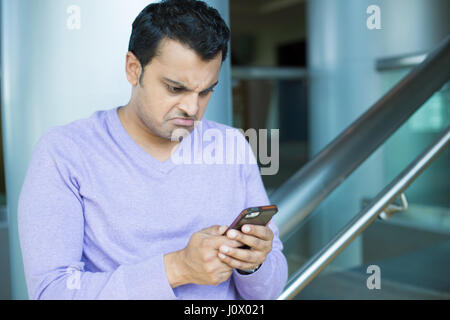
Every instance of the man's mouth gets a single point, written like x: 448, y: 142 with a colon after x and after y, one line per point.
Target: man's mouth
x: 183, y: 122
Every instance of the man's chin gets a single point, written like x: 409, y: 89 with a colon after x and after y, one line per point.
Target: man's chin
x: 178, y: 134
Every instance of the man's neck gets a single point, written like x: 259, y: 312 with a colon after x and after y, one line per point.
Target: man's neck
x: 157, y: 147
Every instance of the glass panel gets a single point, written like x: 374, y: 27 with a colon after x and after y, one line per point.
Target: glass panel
x: 428, y: 197
x: 275, y: 104
x: 411, y: 251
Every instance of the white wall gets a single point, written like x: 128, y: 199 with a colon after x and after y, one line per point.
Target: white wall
x: 52, y: 75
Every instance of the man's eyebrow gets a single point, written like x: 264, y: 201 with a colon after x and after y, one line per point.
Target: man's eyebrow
x: 215, y: 84
x: 182, y: 86
x: 175, y: 83
x: 211, y: 87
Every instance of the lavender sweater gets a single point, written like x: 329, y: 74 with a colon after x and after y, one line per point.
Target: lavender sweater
x: 97, y: 214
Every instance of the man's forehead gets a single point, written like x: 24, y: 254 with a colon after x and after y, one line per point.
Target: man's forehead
x: 170, y: 50
x: 184, y: 67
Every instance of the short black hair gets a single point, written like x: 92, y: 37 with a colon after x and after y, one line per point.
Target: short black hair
x: 190, y: 22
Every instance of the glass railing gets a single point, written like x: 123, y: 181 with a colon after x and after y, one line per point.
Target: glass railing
x: 411, y: 250
x: 274, y: 98
x: 429, y: 200
x: 398, y: 251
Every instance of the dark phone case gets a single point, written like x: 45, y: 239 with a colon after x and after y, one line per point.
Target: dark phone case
x: 266, y: 213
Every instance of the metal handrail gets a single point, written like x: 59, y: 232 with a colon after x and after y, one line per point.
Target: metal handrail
x: 306, y: 189
x: 268, y: 73
x: 359, y: 223
x: 400, y: 62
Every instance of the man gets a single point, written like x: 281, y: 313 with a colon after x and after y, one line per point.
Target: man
x: 105, y: 213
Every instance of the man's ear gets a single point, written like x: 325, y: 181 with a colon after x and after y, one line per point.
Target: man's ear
x: 133, y: 69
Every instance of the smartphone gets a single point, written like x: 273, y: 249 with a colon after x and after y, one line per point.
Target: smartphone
x: 254, y: 215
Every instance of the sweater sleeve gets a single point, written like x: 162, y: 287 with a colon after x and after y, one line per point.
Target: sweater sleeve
x: 269, y: 280
x: 51, y: 229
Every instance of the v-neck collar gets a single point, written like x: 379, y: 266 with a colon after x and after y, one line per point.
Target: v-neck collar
x: 134, y: 149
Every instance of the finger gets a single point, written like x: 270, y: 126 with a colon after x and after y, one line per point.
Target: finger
x: 237, y: 264
x: 217, y: 241
x: 222, y: 229
x: 244, y: 255
x: 261, y: 232
x: 248, y: 240
x: 215, y: 230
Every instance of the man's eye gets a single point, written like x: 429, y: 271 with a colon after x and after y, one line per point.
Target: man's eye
x: 174, y: 89
x: 206, y: 92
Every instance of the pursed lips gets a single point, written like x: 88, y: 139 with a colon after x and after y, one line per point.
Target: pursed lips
x: 183, y: 122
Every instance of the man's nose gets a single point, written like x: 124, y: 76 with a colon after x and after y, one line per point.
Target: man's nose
x: 190, y: 105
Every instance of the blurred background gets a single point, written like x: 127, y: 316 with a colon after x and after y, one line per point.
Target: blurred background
x: 306, y: 67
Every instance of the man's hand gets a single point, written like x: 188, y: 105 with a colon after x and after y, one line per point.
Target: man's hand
x: 199, y: 263
x: 258, y: 238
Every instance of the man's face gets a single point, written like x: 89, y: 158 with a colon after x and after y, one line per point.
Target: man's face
x: 174, y: 90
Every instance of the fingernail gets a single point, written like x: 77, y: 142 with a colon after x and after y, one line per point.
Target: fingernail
x: 224, y: 249
x: 232, y: 234
x: 222, y: 256
x: 246, y: 229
